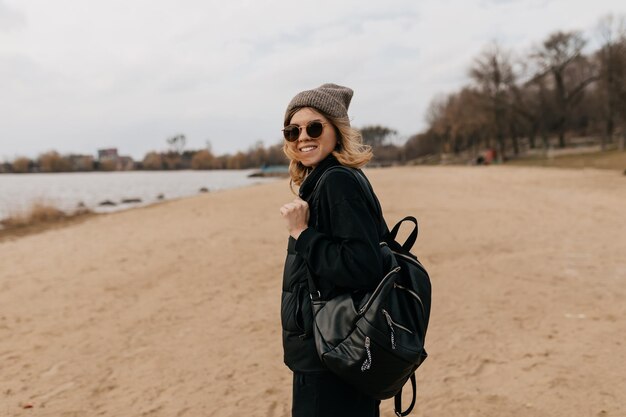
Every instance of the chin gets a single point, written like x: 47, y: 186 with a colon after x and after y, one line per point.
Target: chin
x: 310, y: 162
x: 313, y: 160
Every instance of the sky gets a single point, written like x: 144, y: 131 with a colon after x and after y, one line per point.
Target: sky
x: 80, y: 75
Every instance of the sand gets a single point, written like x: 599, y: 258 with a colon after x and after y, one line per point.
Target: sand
x: 173, y: 310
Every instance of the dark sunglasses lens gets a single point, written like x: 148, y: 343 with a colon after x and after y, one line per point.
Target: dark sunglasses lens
x: 314, y: 129
x: 291, y: 133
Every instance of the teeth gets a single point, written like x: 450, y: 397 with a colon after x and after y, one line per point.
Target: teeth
x: 307, y: 148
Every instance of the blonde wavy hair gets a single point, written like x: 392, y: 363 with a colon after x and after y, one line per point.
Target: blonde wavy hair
x: 350, y: 150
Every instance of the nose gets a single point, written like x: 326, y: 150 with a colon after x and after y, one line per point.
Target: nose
x: 303, y: 134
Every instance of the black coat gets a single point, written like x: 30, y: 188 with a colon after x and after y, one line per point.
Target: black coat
x: 339, y: 249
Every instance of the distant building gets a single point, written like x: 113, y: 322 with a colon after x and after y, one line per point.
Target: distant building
x: 110, y: 159
x: 109, y: 154
x: 125, y: 163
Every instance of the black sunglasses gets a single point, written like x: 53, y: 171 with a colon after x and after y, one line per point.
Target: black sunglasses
x: 314, y: 129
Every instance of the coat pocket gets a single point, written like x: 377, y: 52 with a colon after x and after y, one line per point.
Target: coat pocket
x: 304, y: 318
x: 296, y: 313
x: 289, y: 310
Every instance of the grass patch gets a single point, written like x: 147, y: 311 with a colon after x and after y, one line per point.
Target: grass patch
x: 614, y: 160
x: 39, y: 217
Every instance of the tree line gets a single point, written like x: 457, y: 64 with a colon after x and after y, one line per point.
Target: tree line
x: 546, y: 97
x: 172, y: 159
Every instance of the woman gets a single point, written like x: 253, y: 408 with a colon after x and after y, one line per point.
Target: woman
x: 335, y: 242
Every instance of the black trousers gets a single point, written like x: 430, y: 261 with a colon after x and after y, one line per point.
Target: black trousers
x: 325, y: 395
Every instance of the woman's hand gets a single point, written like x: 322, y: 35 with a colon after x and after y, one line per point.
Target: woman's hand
x: 296, y: 214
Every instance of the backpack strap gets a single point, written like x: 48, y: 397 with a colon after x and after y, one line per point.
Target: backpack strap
x: 377, y: 209
x: 371, y: 200
x: 398, y: 400
x: 410, y: 241
x: 366, y: 187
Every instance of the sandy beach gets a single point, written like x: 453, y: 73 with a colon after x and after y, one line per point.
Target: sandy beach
x: 173, y: 310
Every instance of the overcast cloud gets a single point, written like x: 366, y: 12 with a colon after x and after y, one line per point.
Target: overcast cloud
x: 79, y: 75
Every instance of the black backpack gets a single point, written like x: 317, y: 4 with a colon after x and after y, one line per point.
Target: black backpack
x: 376, y: 342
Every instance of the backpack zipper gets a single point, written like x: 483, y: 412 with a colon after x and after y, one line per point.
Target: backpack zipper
x: 412, y: 293
x: 392, y: 331
x: 391, y: 322
x: 377, y: 290
x: 367, y: 364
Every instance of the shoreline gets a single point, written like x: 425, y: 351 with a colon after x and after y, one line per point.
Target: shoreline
x: 569, y: 163
x: 102, y: 192
x: 13, y: 233
x: 71, y: 219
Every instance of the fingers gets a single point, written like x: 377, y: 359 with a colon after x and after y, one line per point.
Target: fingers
x: 300, y: 204
x: 296, y: 215
x: 295, y: 205
x: 287, y: 209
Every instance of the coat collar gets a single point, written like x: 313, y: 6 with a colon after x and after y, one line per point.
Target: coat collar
x: 308, y: 185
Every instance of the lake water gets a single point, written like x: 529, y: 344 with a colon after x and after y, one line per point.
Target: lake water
x: 67, y: 190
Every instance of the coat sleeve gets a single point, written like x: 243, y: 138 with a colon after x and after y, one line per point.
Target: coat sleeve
x: 348, y: 254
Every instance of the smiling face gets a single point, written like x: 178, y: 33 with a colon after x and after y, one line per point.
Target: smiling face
x: 311, y: 151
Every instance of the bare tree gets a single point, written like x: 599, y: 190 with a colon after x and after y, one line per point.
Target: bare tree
x: 177, y: 143
x: 202, y: 159
x: 53, y: 162
x: 458, y: 122
x: 561, y: 56
x: 439, y: 124
x: 152, y: 161
x: 21, y: 165
x: 492, y: 72
x: 376, y: 135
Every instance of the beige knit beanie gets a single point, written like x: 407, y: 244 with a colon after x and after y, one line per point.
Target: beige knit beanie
x: 331, y: 99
